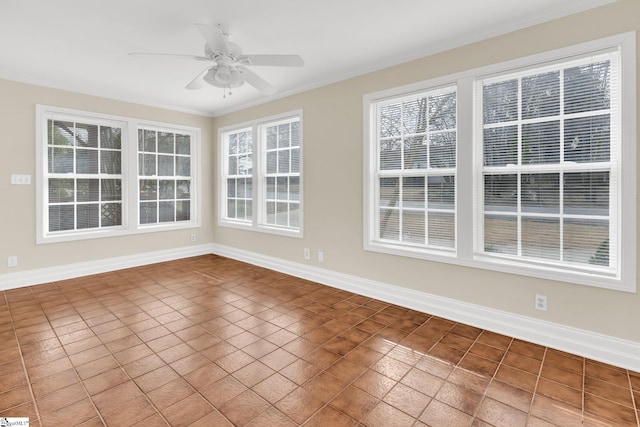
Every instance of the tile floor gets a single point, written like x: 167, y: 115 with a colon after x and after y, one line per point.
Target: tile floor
x: 209, y: 341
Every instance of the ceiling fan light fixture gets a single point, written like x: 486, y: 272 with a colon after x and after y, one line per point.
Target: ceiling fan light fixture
x: 223, y: 75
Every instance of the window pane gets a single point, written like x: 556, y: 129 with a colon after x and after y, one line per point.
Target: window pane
x: 271, y: 212
x: 294, y: 188
x: 389, y: 192
x: 586, y: 193
x: 541, y: 95
x: 231, y: 187
x: 147, y: 164
x: 442, y: 192
x: 415, y: 153
x: 414, y: 116
x: 60, y: 160
x: 183, y: 144
x: 413, y: 192
x: 501, y: 234
x: 541, y: 193
x: 61, y: 218
x: 413, y: 226
x: 282, y: 188
x: 390, y: 117
x: 443, y: 150
x: 587, y: 139
x: 86, y: 135
x: 284, y: 139
x: 148, y: 212
x: 272, y: 138
x: 148, y: 189
x: 88, y: 190
x: 442, y: 111
x: 390, y: 154
x: 110, y: 137
x: 501, y: 146
x: 442, y: 229
x: 165, y: 165
x: 165, y: 143
x: 282, y: 217
x: 272, y: 161
x: 295, y: 134
x: 500, y: 102
x: 167, y: 189
x: 183, y: 210
x: 283, y: 161
x: 183, y: 189
x: 111, y: 214
x: 295, y: 160
x: 233, y: 165
x: 500, y: 193
x: 183, y: 166
x: 88, y: 216
x: 61, y: 190
x: 586, y: 241
x: 231, y: 208
x: 167, y: 211
x: 111, y: 189
x: 294, y: 215
x: 110, y: 162
x: 541, y: 143
x: 87, y: 161
x: 61, y: 133
x: 389, y: 224
x: 149, y: 141
x: 587, y: 87
x: 541, y: 238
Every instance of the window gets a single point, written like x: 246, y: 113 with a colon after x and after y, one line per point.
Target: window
x: 87, y: 188
x: 551, y: 149
x: 525, y: 167
x: 164, y: 173
x: 416, y: 170
x: 261, y: 175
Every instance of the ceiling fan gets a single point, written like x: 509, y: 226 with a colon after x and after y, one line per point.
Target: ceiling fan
x: 229, y: 65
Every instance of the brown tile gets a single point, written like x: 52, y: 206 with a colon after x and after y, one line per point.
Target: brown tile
x: 354, y: 402
x: 610, y: 374
x: 498, y: 414
x: 142, y: 366
x: 523, y: 363
x: 559, y: 392
x: 61, y: 398
x: 170, y: 393
x: 96, y: 367
x: 510, y: 395
x: 243, y: 408
x: 555, y: 412
x: 324, y: 386
x: 517, y: 378
x: 407, y: 400
x: 346, y: 370
x: 568, y: 378
x: 214, y: 418
x: 439, y: 414
x: 46, y: 369
x: 54, y: 382
x: 374, y: 383
x: 189, y: 363
x: 222, y: 390
x: 385, y: 415
x: 254, y: 373
x: 130, y: 413
x: 14, y: 397
x: 272, y: 418
x: 187, y: 411
x: 156, y: 378
x: 423, y: 382
x: 278, y: 359
x: 459, y: 397
x: 300, y: 371
x: 105, y: 381
x: 274, y: 388
x: 132, y: 354
x: 299, y: 405
x: 479, y: 365
x: 74, y: 414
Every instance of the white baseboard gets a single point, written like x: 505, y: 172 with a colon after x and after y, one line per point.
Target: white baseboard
x: 70, y: 271
x: 604, y: 348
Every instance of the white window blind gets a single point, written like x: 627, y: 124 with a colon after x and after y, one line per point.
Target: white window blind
x: 261, y: 175
x: 164, y: 175
x: 550, y: 142
x: 416, y: 169
x: 84, y: 175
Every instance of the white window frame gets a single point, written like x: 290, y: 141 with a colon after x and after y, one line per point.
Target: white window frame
x: 469, y: 169
x: 129, y: 173
x: 257, y: 221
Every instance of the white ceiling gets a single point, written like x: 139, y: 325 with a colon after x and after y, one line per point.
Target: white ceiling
x: 83, y: 45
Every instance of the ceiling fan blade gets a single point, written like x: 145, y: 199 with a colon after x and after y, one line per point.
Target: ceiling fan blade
x: 171, y: 55
x: 274, y: 60
x: 214, y: 38
x: 198, y: 82
x: 256, y: 81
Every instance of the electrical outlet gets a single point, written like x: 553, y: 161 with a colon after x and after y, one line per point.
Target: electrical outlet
x: 541, y: 302
x: 193, y: 237
x: 307, y: 253
x: 20, y: 179
x: 12, y: 261
x: 320, y: 256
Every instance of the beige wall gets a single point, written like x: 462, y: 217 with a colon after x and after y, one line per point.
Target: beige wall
x: 333, y: 178
x: 18, y: 217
